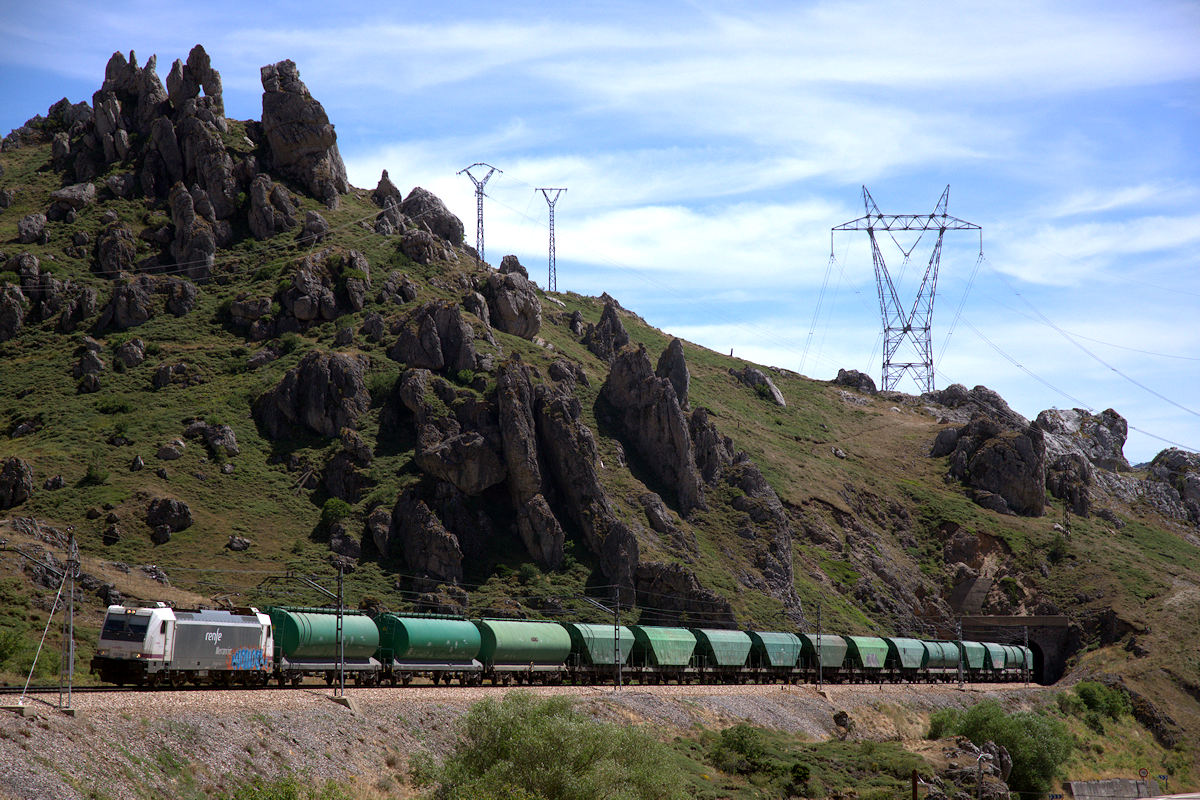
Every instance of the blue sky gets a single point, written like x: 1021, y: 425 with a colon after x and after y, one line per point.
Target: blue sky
x: 708, y: 148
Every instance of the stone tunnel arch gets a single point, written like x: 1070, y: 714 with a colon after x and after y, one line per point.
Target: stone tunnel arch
x: 1051, y: 638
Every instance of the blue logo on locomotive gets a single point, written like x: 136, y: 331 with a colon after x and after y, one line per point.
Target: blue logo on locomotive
x: 247, y: 658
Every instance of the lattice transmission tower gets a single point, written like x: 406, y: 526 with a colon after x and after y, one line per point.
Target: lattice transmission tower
x: 916, y: 324
x: 479, y: 184
x: 552, y: 279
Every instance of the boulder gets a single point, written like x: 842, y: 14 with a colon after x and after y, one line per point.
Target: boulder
x: 853, y: 379
x: 397, y: 288
x: 75, y: 196
x: 423, y: 247
x: 653, y: 424
x: 956, y: 404
x: 301, y: 140
x: 324, y: 393
x: 80, y: 305
x: 31, y: 229
x: 760, y: 383
x: 131, y: 304
x: 606, y: 338
x: 237, y: 544
x: 427, y: 210
x: 16, y: 482
x: 170, y: 513
x: 326, y: 284
x: 673, y: 367
x: 181, y: 295
x: 512, y: 300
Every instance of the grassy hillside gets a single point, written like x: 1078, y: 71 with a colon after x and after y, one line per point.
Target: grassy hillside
x: 867, y: 505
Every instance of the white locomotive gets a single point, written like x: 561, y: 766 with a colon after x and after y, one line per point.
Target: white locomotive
x: 162, y: 645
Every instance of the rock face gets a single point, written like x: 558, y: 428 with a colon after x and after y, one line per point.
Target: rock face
x: 654, y: 425
x: 271, y: 208
x: 427, y: 547
x: 436, y: 337
x: 512, y: 300
x: 1100, y: 438
x: 759, y: 382
x: 12, y: 311
x: 325, y: 285
x: 956, y: 404
x: 458, y: 436
x: 606, y: 338
x: 1005, y: 465
x: 324, y: 393
x: 572, y: 461
x: 673, y: 367
x: 854, y: 379
x: 537, y: 526
x: 16, y: 482
x: 671, y: 592
x: 1179, y: 473
x: 301, y: 139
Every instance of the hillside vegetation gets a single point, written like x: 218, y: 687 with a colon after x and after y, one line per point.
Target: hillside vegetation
x: 220, y: 359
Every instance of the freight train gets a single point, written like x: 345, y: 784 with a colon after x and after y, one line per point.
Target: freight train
x: 161, y: 646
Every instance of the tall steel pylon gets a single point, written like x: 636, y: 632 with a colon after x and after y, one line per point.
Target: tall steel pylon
x: 917, y: 323
x: 479, y: 184
x: 552, y: 279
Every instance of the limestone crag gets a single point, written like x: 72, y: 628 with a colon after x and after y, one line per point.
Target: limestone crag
x: 512, y: 300
x: 419, y: 536
x: 854, y: 379
x: 16, y: 482
x: 271, y: 208
x: 428, y: 212
x: 324, y: 393
x: 606, y: 338
x: 654, y: 425
x: 1179, y: 471
x: 537, y: 526
x: 1100, y: 438
x: 1004, y: 465
x: 958, y: 405
x: 672, y: 366
x: 435, y: 336
x: 301, y: 140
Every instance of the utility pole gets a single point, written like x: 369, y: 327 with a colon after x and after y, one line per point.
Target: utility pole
x: 339, y: 598
x: 479, y: 184
x: 961, y: 652
x: 552, y: 280
x: 916, y: 324
x: 820, y: 663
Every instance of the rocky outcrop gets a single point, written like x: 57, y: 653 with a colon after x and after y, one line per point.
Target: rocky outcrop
x: 435, y: 336
x: 325, y: 285
x: 67, y: 201
x: 47, y: 296
x: 397, y: 288
x: 1068, y: 477
x: 131, y: 304
x: 712, y: 450
x: 116, y: 250
x: 271, y: 208
x: 31, y: 229
x: 764, y: 525
x: 653, y: 425
x: 673, y: 367
x: 385, y: 192
x: 458, y: 436
x: 315, y: 229
x: 853, y: 379
x: 195, y: 244
x: 1175, y: 474
x: 537, y: 526
x: 428, y: 211
x: 1005, y: 466
x: 343, y: 477
x: 219, y: 439
x: 301, y: 140
x: 324, y: 393
x: 1100, y: 438
x: 512, y: 300
x: 16, y: 482
x: 958, y: 405
x: 419, y: 536
x: 760, y: 383
x: 606, y: 338
x: 572, y: 462
x: 12, y: 311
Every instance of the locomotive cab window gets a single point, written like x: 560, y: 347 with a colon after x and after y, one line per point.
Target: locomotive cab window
x: 125, y: 628
x: 163, y: 628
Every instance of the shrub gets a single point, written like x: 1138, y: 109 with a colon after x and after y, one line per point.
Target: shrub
x: 333, y: 512
x: 740, y: 750
x: 525, y: 747
x: 1106, y: 700
x: 1038, y: 744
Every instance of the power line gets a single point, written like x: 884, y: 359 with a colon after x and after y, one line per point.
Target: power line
x: 552, y: 280
x: 479, y: 184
